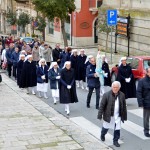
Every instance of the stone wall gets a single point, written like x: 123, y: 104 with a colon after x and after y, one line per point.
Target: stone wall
x: 140, y: 27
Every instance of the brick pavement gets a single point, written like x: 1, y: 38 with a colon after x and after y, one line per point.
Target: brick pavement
x: 27, y: 123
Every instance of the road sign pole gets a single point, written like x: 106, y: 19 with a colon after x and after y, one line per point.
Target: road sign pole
x: 111, y: 46
x: 111, y: 21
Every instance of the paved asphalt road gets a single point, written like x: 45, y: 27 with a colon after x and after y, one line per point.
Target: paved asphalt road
x: 132, y: 137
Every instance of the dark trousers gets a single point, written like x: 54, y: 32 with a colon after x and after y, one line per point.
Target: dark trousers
x: 116, y: 134
x: 48, y: 64
x: 15, y: 71
x: 9, y: 68
x: 146, y: 116
x: 97, y: 90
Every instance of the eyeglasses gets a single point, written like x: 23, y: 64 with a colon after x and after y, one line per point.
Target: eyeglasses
x: 42, y: 62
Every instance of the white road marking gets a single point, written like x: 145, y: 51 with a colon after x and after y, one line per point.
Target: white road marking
x: 137, y: 112
x: 134, y: 129
x: 93, y: 129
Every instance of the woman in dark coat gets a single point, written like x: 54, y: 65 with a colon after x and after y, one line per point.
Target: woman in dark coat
x: 28, y: 76
x: 54, y: 76
x: 42, y: 78
x: 19, y: 69
x: 81, y: 68
x: 105, y: 68
x: 126, y: 78
x: 74, y: 59
x: 67, y: 86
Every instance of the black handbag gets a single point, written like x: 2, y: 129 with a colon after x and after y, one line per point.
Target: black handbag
x: 0, y: 78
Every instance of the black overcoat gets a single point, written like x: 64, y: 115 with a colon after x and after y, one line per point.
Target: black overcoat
x: 129, y: 89
x: 28, y: 76
x: 67, y: 95
x: 19, y: 72
x: 40, y: 72
x: 74, y: 60
x: 92, y: 82
x: 81, y: 67
x: 107, y: 80
x: 52, y: 76
x: 56, y: 53
x: 143, y: 92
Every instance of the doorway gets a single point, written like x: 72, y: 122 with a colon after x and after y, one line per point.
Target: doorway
x: 96, y: 31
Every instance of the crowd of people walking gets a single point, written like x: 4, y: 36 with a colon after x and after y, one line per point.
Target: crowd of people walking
x: 35, y: 65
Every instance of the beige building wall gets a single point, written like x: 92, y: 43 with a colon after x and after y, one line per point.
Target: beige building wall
x: 140, y: 26
x: 5, y: 6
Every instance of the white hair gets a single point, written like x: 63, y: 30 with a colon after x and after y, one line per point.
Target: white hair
x: 42, y: 60
x: 66, y: 63
x: 52, y: 65
x: 21, y: 55
x: 29, y: 56
x: 116, y: 82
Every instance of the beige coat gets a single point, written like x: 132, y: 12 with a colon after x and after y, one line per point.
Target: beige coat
x: 35, y: 54
x: 47, y: 54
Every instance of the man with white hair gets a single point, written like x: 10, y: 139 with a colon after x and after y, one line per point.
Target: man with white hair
x: 113, y: 110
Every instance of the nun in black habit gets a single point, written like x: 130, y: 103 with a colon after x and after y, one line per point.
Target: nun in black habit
x: 126, y: 78
x: 67, y: 86
x: 81, y: 68
x: 28, y: 76
x: 105, y: 68
x: 19, y: 69
x: 74, y: 59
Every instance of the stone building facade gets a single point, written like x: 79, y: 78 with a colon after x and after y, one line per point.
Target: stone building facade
x: 5, y: 7
x: 139, y: 11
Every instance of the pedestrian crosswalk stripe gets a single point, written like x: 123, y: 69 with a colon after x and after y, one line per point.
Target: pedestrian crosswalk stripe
x: 137, y: 112
x: 92, y: 129
x: 134, y: 129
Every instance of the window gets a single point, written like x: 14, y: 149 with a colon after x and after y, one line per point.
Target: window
x: 99, y: 3
x: 67, y: 27
x: 51, y: 27
x: 146, y: 64
x: 134, y: 64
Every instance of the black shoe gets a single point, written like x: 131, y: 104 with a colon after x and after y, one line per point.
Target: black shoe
x: 97, y: 107
x: 116, y: 144
x: 103, y: 138
x: 147, y: 134
x: 88, y: 105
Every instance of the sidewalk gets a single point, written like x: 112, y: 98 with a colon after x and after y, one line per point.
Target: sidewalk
x: 26, y: 122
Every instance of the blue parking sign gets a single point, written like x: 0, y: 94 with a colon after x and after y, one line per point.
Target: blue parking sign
x: 111, y: 17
